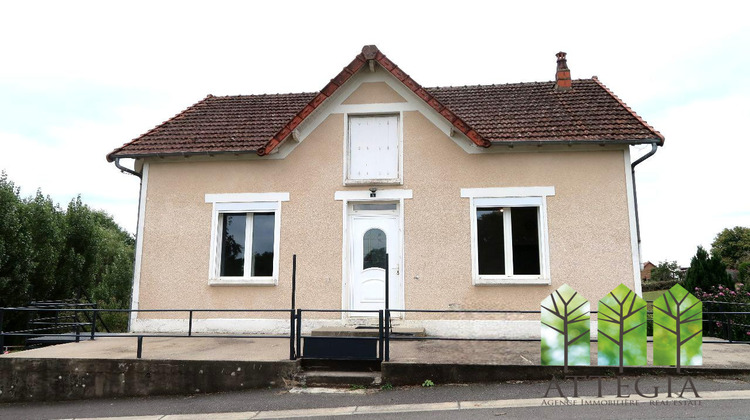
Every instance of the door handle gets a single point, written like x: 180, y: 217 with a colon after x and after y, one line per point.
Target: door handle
x: 398, y: 269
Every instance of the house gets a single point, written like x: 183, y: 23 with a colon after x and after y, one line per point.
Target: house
x: 483, y: 197
x: 646, y: 271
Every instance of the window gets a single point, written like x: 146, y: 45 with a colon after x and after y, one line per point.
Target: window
x: 373, y: 150
x: 245, y: 238
x: 509, y: 235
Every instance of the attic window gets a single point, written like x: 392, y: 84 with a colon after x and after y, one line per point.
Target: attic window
x: 373, y: 152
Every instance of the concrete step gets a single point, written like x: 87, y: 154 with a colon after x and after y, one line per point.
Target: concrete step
x: 338, y: 379
x: 340, y: 365
x: 365, y: 331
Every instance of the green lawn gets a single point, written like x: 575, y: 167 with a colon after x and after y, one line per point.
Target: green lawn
x: 651, y: 296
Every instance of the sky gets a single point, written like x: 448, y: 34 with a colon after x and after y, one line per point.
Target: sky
x: 78, y: 79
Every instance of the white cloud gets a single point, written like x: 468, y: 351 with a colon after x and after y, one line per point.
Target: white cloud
x: 696, y: 185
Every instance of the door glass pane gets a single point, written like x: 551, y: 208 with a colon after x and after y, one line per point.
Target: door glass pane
x: 525, y: 225
x: 263, y: 227
x: 375, y: 206
x: 374, y: 249
x: 490, y: 240
x: 233, y: 244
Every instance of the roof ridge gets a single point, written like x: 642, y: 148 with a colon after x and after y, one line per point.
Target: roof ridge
x: 257, y: 95
x: 174, y: 117
x: 630, y: 110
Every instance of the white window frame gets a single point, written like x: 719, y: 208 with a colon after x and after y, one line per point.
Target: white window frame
x: 243, y: 203
x: 509, y: 198
x: 399, y: 180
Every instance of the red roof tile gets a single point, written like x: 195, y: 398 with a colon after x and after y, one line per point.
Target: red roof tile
x: 536, y: 112
x: 512, y: 113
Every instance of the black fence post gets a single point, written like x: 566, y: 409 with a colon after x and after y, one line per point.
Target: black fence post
x: 387, y: 338
x: 2, y: 334
x: 190, y: 324
x: 77, y: 324
x: 93, y: 324
x: 292, y: 352
x: 381, y: 336
x: 299, y: 332
x: 139, y: 352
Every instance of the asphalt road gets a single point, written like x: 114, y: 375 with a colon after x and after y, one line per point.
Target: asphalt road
x: 502, y: 400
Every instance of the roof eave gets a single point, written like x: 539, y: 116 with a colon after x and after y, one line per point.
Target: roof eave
x: 111, y: 157
x: 604, y: 142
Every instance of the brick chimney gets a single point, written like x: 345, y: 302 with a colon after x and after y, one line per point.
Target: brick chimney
x: 562, y: 77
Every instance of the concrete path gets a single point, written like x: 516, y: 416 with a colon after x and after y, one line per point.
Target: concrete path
x: 735, y: 356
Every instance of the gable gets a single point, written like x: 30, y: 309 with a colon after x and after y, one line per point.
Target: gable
x: 374, y: 93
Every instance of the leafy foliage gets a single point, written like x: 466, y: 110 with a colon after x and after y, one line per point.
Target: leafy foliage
x: 622, y: 329
x: 678, y: 338
x: 50, y: 254
x: 565, y: 328
x: 722, y: 299
x: 706, y: 271
x: 666, y: 271
x: 732, y: 246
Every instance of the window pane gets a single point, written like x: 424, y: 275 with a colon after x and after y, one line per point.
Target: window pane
x: 375, y: 206
x: 525, y: 226
x: 233, y: 244
x: 263, y: 227
x: 490, y: 238
x: 374, y: 249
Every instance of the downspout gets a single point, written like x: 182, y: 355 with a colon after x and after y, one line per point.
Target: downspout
x: 635, y: 195
x: 138, y: 222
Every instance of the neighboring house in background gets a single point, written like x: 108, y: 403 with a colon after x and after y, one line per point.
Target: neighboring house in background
x: 646, y: 271
x: 484, y: 197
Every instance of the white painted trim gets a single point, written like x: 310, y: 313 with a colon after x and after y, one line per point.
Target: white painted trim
x: 135, y: 298
x: 350, y: 196
x: 510, y: 197
x: 246, y: 197
x: 500, y: 328
x: 255, y: 203
x: 335, y: 105
x: 634, y: 246
x: 507, y: 192
x: 381, y: 195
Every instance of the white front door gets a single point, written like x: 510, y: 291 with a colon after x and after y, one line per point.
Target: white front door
x: 373, y: 234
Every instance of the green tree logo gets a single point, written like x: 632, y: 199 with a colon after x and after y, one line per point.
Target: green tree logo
x: 678, y: 332
x: 622, y: 329
x: 565, y: 328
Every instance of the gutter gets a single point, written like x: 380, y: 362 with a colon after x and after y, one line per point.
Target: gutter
x: 124, y: 169
x: 635, y: 195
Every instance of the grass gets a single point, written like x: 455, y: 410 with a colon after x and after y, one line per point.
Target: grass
x: 653, y: 295
x: 649, y: 297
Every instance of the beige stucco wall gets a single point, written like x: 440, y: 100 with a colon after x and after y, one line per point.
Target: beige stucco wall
x: 589, y: 231
x: 374, y: 93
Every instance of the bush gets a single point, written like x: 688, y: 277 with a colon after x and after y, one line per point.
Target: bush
x: 723, y: 299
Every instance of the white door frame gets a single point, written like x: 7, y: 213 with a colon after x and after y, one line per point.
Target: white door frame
x: 364, y: 196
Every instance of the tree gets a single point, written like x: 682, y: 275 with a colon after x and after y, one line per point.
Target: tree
x: 706, y: 271
x: 50, y: 254
x: 666, y: 271
x: 732, y: 246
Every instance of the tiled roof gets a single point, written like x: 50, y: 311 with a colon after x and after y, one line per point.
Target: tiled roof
x: 536, y: 112
x: 512, y: 113
x: 218, y: 124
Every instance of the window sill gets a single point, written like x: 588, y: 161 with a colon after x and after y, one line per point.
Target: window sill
x: 511, y: 280
x: 243, y: 281
x: 349, y: 182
